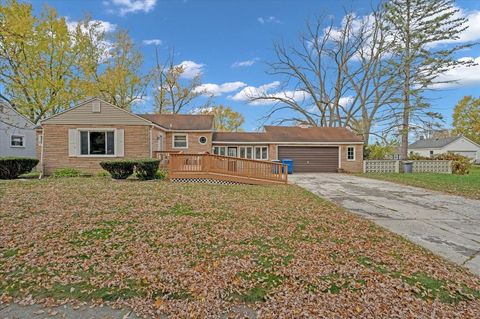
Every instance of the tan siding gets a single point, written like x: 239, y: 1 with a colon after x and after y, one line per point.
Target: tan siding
x: 108, y: 115
x: 136, y: 145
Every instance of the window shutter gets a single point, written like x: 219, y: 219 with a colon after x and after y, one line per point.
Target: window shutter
x: 119, y: 142
x: 72, y: 142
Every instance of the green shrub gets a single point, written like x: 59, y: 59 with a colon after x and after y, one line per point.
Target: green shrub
x: 146, y: 169
x: 161, y: 174
x: 67, y: 172
x: 12, y: 167
x: 103, y: 174
x: 379, y: 151
x: 460, y: 164
x: 119, y: 169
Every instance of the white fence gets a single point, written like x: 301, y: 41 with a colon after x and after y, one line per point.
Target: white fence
x: 419, y: 166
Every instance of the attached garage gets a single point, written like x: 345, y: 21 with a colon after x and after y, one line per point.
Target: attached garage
x: 311, y: 158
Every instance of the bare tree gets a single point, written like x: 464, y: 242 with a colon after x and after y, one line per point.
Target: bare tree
x: 172, y: 93
x: 336, y: 76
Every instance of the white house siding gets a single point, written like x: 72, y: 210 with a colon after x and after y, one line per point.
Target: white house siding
x: 12, y: 123
x: 460, y: 146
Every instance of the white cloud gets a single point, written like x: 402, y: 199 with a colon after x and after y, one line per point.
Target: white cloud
x: 131, y: 6
x: 251, y: 92
x: 152, y: 42
x: 460, y: 76
x: 243, y: 64
x: 199, y: 110
x: 270, y: 19
x: 219, y: 89
x: 191, y: 69
x: 104, y: 26
x: 345, y: 100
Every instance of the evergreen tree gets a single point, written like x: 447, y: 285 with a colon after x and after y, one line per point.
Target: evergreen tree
x: 418, y: 28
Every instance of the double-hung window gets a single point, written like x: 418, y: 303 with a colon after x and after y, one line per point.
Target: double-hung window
x: 97, y: 143
x: 180, y: 141
x: 219, y: 150
x: 246, y: 151
x: 261, y: 152
x: 17, y: 141
x: 351, y: 153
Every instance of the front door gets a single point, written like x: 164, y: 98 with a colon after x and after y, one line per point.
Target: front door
x: 232, y: 151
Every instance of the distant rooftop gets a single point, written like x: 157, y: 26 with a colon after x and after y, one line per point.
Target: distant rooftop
x: 433, y: 142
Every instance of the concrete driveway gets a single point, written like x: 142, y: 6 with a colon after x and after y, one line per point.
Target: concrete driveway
x: 445, y: 224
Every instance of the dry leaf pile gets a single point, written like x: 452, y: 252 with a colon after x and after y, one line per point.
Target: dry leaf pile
x: 203, y: 251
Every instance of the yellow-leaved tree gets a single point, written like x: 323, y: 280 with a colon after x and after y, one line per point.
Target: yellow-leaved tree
x: 225, y: 118
x: 466, y: 118
x: 48, y: 64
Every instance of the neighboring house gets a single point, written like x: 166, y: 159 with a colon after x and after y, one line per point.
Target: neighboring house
x: 95, y: 130
x: 458, y: 144
x: 17, y: 133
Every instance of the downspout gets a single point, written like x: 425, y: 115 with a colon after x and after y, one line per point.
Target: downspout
x: 150, y: 144
x: 41, y: 154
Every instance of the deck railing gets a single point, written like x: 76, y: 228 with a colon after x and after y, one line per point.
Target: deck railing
x: 164, y: 157
x: 196, y: 165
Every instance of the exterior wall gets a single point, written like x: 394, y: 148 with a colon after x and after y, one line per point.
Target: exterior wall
x: 461, y: 146
x: 56, y: 154
x: 273, y: 152
x: 355, y: 166
x: 12, y: 123
x: 194, y: 145
x: 108, y: 115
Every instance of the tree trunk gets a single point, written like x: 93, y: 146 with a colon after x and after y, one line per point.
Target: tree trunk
x: 406, y: 89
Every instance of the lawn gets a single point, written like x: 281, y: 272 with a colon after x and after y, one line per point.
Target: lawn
x: 463, y: 185
x: 201, y: 251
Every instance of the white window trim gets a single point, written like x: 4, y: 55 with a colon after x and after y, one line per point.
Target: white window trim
x: 23, y: 141
x: 206, y: 140
x: 354, y: 154
x: 255, y: 153
x: 79, y: 141
x: 220, y: 147
x: 173, y: 141
x: 236, y: 151
x: 245, y: 147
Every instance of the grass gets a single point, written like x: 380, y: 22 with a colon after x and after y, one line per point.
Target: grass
x: 190, y: 250
x: 463, y: 185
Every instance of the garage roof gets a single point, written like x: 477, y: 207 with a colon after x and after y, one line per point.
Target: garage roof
x: 292, y: 134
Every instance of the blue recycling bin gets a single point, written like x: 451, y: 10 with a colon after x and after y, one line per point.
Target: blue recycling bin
x: 289, y: 164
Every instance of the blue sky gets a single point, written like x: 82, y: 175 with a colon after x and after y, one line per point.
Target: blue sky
x: 229, y: 41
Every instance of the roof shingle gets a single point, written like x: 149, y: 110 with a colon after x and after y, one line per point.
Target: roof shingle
x: 188, y: 122
x: 433, y: 142
x: 290, y: 134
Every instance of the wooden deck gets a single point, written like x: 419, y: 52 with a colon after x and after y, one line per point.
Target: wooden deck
x: 232, y: 169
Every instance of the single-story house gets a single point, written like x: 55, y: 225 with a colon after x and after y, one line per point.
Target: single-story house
x: 17, y: 134
x: 95, y: 130
x: 457, y: 144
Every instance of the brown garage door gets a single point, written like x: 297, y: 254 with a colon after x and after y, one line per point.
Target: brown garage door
x: 310, y: 159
